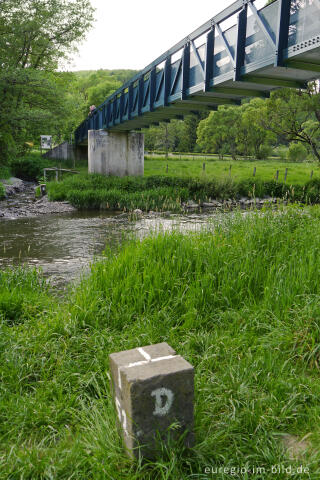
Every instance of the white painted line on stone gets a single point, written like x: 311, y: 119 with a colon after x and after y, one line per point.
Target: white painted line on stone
x: 124, y: 422
x: 118, y: 408
x: 162, y: 358
x: 119, y: 377
x: 144, y: 354
x: 137, y: 364
x: 142, y: 362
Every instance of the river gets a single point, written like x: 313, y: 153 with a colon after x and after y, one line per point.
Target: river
x: 63, y: 245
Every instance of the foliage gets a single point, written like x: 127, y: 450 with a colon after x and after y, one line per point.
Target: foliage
x: 30, y: 167
x: 93, y: 87
x: 8, y: 148
x: 4, y: 173
x: 297, y: 152
x: 176, y: 136
x: 234, y: 131
x: 2, y: 191
x: 36, y: 36
x: 218, y: 132
x: 240, y: 303
x: 252, y: 138
x: 163, y: 193
x: 294, y: 116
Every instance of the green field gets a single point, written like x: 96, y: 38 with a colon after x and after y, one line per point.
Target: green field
x: 298, y: 173
x: 241, y: 304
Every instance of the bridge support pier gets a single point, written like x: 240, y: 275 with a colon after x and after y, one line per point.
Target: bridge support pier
x: 115, y: 153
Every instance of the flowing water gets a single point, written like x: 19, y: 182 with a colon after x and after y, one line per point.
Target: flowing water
x: 63, y: 245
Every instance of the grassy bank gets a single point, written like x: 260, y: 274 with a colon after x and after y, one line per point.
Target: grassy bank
x: 168, y: 192
x: 242, y: 305
x: 266, y: 170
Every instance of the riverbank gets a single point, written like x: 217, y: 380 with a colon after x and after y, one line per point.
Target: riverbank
x: 176, y: 194
x: 19, y: 201
x: 241, y: 305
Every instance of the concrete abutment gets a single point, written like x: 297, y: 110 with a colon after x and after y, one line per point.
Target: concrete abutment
x: 115, y: 153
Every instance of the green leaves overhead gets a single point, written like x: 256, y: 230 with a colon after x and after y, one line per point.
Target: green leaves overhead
x: 36, y: 36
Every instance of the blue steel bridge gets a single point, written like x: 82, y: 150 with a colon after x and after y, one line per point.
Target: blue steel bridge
x: 245, y: 51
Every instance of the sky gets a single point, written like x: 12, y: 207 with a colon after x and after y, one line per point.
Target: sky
x: 130, y: 34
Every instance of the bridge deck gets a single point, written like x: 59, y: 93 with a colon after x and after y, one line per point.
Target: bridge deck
x: 242, y: 52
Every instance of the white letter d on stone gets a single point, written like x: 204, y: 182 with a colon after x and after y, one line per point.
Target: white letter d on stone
x: 163, y: 405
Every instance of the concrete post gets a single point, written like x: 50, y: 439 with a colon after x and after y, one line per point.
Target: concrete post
x: 153, y: 388
x: 115, y: 153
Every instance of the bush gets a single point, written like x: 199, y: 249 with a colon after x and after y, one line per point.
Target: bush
x: 4, y: 172
x: 297, y: 152
x: 281, y: 152
x: 312, y: 191
x: 2, y: 191
x: 31, y: 167
x: 8, y: 148
x: 264, y: 152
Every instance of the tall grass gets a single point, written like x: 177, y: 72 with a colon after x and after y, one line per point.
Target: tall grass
x: 167, y: 193
x: 241, y: 304
x: 23, y: 295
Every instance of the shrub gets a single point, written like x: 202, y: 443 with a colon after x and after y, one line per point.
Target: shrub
x: 2, y: 191
x: 4, y: 172
x: 281, y: 152
x: 264, y: 152
x: 8, y: 148
x: 31, y: 167
x: 297, y: 152
x: 312, y: 191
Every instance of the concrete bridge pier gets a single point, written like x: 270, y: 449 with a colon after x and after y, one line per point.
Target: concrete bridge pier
x: 115, y: 153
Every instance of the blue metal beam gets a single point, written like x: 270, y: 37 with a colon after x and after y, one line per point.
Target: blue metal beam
x: 209, y: 74
x: 130, y: 100
x: 185, y: 71
x: 282, y: 30
x: 241, y: 43
x: 140, y: 94
x: 153, y: 77
x: 167, y: 81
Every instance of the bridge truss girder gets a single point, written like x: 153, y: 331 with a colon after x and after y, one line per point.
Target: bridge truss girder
x: 274, y: 47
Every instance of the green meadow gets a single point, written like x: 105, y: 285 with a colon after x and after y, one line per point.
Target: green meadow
x: 266, y: 170
x: 239, y: 301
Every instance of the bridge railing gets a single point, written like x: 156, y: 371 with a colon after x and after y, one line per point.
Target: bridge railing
x: 213, y: 54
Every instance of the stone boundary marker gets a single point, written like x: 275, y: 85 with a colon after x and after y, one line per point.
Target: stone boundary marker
x: 153, y: 388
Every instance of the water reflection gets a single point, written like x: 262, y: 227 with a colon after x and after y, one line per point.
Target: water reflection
x: 64, y: 245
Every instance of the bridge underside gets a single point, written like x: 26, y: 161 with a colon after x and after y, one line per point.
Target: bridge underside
x: 218, y: 64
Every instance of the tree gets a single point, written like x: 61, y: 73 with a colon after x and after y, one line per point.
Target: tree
x: 165, y: 136
x: 252, y: 138
x: 36, y: 36
x: 294, y: 116
x: 218, y: 132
